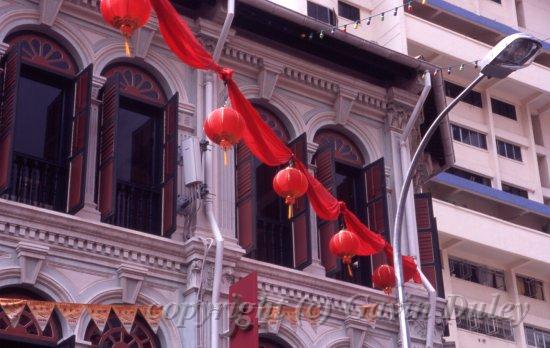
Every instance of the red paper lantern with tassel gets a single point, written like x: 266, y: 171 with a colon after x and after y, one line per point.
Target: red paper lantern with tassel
x: 383, y: 278
x: 224, y: 126
x: 344, y: 244
x: 126, y: 16
x: 291, y: 184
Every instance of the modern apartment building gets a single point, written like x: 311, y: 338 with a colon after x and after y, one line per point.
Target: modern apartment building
x: 492, y: 206
x: 97, y: 206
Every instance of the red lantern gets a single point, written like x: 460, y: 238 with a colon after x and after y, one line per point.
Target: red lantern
x: 290, y: 183
x: 126, y: 16
x: 224, y: 126
x: 344, y: 244
x: 384, y: 278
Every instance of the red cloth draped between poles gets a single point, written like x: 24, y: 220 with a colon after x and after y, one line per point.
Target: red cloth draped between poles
x: 263, y: 142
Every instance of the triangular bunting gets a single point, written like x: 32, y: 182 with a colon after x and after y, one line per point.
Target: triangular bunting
x: 42, y: 311
x: 126, y: 315
x: 13, y: 309
x: 152, y: 315
x: 71, y: 312
x: 99, y: 314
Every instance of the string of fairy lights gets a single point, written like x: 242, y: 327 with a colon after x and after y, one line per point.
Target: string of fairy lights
x: 408, y: 6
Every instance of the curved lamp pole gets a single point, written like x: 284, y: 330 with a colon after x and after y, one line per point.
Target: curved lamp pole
x: 512, y: 53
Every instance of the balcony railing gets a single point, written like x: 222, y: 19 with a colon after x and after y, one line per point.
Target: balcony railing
x: 37, y: 182
x: 137, y: 207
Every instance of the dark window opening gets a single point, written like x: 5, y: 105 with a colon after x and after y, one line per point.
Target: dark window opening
x: 273, y: 228
x: 469, y: 137
x: 138, y: 164
x: 509, y: 150
x: 484, y: 323
x: 515, y: 191
x: 349, y: 184
x: 41, y: 140
x: 537, y: 337
x: 470, y: 176
x: 503, y: 109
x: 348, y: 11
x: 452, y: 90
x: 530, y: 287
x: 477, y: 274
x: 321, y: 13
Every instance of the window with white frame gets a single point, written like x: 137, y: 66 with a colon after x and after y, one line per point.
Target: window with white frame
x: 509, y: 150
x: 537, y: 337
x: 484, y: 323
x: 530, y: 287
x: 468, y: 136
x: 474, y: 273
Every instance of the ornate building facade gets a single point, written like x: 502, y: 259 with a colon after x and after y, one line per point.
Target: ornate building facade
x: 94, y: 208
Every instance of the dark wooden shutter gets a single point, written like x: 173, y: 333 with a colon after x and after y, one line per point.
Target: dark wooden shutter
x: 300, y: 220
x: 170, y: 154
x: 79, y: 141
x: 67, y: 342
x: 377, y: 204
x: 246, y: 199
x: 428, y: 242
x: 8, y: 112
x: 324, y: 160
x: 107, y: 147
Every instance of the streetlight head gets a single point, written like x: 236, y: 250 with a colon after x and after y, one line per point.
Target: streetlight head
x: 510, y: 54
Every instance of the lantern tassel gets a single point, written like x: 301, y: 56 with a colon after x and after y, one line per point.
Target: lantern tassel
x: 350, y: 272
x: 290, y: 211
x: 127, y: 46
x: 225, y: 157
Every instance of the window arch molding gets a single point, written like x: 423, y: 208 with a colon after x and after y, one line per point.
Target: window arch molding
x: 62, y: 33
x: 365, y: 139
x: 170, y: 76
x: 168, y: 334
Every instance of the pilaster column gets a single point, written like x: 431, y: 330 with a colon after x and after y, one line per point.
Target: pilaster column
x: 512, y: 287
x: 89, y: 211
x: 491, y: 141
x: 316, y: 267
x: 531, y: 158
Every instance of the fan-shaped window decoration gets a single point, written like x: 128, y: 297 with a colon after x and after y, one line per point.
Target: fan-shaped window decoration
x: 344, y: 149
x: 137, y: 82
x: 40, y: 50
x: 27, y: 327
x: 274, y: 123
x: 114, y: 335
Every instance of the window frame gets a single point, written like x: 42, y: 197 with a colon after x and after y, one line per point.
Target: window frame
x: 314, y: 9
x: 344, y: 6
x: 465, y: 174
x: 473, y: 98
x: 483, y: 321
x: 504, y: 109
x: 514, y: 190
x: 533, y: 284
x: 467, y: 136
x: 472, y: 272
x: 509, y: 150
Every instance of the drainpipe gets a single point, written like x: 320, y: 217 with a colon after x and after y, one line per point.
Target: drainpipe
x: 218, y: 237
x: 432, y: 297
x: 406, y: 162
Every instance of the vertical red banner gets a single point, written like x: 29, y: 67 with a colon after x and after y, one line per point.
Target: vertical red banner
x: 243, y: 300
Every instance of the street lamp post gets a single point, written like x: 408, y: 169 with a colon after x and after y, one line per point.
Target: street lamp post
x: 512, y: 53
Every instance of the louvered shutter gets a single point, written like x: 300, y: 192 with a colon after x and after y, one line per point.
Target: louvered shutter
x: 170, y: 155
x: 377, y: 204
x: 428, y: 242
x: 300, y: 219
x: 324, y: 160
x: 246, y: 199
x: 107, y: 147
x: 8, y: 112
x: 79, y: 141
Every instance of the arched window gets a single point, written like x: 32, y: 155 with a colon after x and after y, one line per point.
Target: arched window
x: 263, y: 227
x: 340, y: 167
x: 27, y: 332
x: 115, y: 335
x: 272, y: 342
x: 137, y: 152
x: 44, y: 116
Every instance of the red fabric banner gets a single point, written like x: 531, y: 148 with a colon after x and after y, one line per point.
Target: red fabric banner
x: 259, y: 138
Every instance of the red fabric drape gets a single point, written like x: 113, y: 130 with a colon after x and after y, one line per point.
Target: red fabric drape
x: 261, y: 140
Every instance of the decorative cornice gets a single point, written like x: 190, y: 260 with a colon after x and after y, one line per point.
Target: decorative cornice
x: 130, y: 278
x: 31, y: 257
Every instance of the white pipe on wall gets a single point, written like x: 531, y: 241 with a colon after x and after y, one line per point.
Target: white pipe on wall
x: 432, y: 297
x: 209, y: 100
